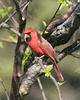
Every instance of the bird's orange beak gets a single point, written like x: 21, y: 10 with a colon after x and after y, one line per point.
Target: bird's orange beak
x: 26, y: 36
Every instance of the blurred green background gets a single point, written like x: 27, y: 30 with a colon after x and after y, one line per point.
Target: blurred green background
x: 38, y: 11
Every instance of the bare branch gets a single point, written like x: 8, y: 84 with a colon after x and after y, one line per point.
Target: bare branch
x: 4, y: 89
x: 64, y: 32
x: 15, y: 12
x: 57, y: 86
x: 76, y: 55
x: 63, y: 18
x: 18, y: 10
x: 67, y: 51
x: 28, y: 79
x: 41, y: 87
x: 6, y: 40
x: 52, y: 17
x: 4, y: 25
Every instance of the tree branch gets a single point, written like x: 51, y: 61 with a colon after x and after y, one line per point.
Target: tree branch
x: 68, y: 50
x: 4, y: 89
x: 20, y: 48
x: 64, y: 32
x: 6, y: 40
x: 41, y: 87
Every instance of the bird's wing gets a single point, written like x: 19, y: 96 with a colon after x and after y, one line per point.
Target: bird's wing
x: 45, y: 46
x: 49, y: 52
x: 60, y: 77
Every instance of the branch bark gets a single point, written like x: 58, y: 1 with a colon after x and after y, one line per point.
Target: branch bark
x: 20, y: 47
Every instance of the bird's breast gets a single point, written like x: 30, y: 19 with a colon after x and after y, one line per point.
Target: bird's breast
x: 34, y: 45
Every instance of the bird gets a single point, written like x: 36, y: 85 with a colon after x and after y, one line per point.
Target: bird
x: 41, y: 47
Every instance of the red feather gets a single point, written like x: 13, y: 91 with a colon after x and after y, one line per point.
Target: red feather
x: 42, y: 47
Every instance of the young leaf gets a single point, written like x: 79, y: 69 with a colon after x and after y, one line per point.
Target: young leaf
x: 44, y: 23
x: 1, y: 45
x: 69, y: 3
x: 8, y: 9
x: 12, y: 36
x: 61, y: 83
x: 43, y: 70
x: 2, y: 12
x: 49, y: 68
x: 63, y: 3
x: 41, y: 33
x: 48, y: 74
x: 26, y: 55
x: 46, y: 32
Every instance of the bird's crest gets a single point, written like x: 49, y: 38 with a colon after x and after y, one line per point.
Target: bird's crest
x: 28, y: 30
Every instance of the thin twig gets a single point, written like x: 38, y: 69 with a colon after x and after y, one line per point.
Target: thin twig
x: 41, y: 87
x: 15, y: 12
x: 54, y: 14
x: 53, y: 17
x: 57, y: 86
x: 4, y: 25
x: 26, y: 5
x: 6, y: 40
x: 68, y: 50
x: 4, y: 89
x: 18, y: 9
x: 75, y: 55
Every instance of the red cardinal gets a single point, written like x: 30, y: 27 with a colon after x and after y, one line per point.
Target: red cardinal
x: 42, y: 47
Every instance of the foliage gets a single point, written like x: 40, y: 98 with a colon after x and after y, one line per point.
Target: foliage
x: 26, y: 56
x: 64, y: 3
x: 45, y: 25
x: 3, y: 12
x: 47, y: 70
x: 61, y: 83
x: 12, y: 36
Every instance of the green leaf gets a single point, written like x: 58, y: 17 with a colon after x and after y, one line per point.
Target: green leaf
x: 44, y: 23
x: 46, y: 32
x: 48, y: 74
x: 41, y: 33
x: 26, y: 56
x: 12, y: 36
x: 61, y: 83
x: 69, y: 3
x: 60, y: 1
x: 8, y: 9
x: 49, y: 68
x: 59, y: 14
x: 2, y: 12
x: 1, y: 45
x: 63, y: 3
x: 43, y: 70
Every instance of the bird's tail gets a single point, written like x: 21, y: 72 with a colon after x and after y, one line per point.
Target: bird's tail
x: 60, y: 77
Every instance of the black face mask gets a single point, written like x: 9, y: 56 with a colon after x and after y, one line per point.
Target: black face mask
x: 28, y: 39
